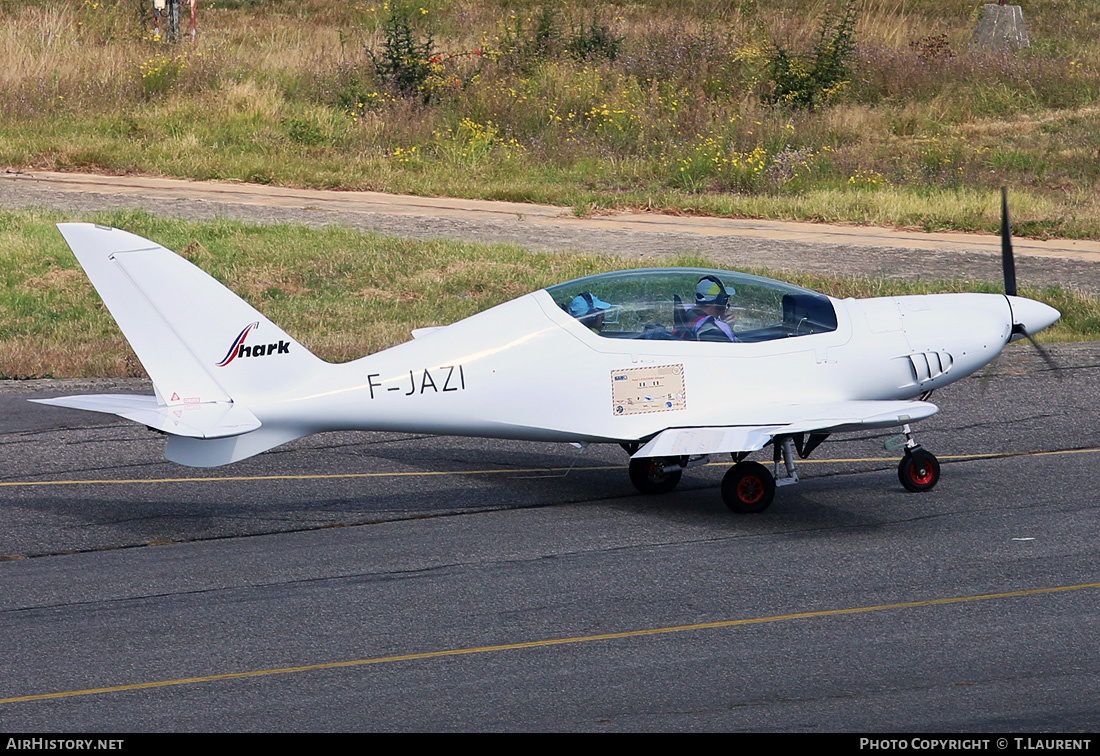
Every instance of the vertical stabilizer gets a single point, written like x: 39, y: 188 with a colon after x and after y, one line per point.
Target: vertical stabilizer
x: 198, y: 341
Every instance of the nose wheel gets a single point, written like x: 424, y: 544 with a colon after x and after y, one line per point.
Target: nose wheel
x: 919, y: 470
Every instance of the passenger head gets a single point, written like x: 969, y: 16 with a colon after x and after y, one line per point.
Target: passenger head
x: 589, y: 309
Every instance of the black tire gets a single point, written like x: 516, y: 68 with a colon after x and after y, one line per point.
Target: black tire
x: 748, y: 488
x: 646, y: 476
x: 919, y: 471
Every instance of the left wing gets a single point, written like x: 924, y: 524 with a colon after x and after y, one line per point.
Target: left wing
x: 831, y: 417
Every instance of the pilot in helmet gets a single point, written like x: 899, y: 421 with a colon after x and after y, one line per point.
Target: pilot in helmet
x: 712, y: 305
x: 590, y: 310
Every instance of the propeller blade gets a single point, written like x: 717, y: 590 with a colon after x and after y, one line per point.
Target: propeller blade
x: 1008, y: 263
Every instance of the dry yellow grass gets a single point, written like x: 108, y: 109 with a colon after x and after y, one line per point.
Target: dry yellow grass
x: 284, y: 92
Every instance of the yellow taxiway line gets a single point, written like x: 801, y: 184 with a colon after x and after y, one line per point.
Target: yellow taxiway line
x: 554, y: 642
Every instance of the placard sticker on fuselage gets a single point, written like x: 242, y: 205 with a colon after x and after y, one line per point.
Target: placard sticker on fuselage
x: 648, y: 389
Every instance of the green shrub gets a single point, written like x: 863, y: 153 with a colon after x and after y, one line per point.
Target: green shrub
x: 404, y: 63
x: 808, y: 81
x: 594, y: 42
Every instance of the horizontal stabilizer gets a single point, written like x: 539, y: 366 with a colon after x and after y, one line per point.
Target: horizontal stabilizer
x: 205, y: 420
x: 831, y: 417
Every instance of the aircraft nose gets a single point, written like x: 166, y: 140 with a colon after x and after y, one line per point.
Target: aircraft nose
x: 1033, y: 316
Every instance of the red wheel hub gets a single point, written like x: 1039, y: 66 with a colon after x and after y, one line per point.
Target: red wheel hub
x: 921, y: 473
x: 750, y: 489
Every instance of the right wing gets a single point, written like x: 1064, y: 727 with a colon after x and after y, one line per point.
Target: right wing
x: 830, y: 417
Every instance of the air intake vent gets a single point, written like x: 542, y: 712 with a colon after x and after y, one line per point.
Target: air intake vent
x: 929, y: 365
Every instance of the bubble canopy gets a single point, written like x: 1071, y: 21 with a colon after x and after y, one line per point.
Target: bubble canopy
x: 668, y: 304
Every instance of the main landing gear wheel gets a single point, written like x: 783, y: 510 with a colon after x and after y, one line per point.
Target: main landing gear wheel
x: 919, y: 471
x: 748, y: 488
x: 649, y: 476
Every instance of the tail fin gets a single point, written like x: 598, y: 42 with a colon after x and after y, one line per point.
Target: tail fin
x: 209, y: 353
x: 197, y: 340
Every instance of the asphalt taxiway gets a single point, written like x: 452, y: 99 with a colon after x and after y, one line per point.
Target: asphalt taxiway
x: 387, y: 582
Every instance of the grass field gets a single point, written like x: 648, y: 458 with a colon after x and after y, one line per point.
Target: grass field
x: 341, y: 293
x: 883, y: 116
x: 869, y: 111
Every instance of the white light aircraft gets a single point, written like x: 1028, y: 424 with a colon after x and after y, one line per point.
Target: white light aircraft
x: 631, y: 358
